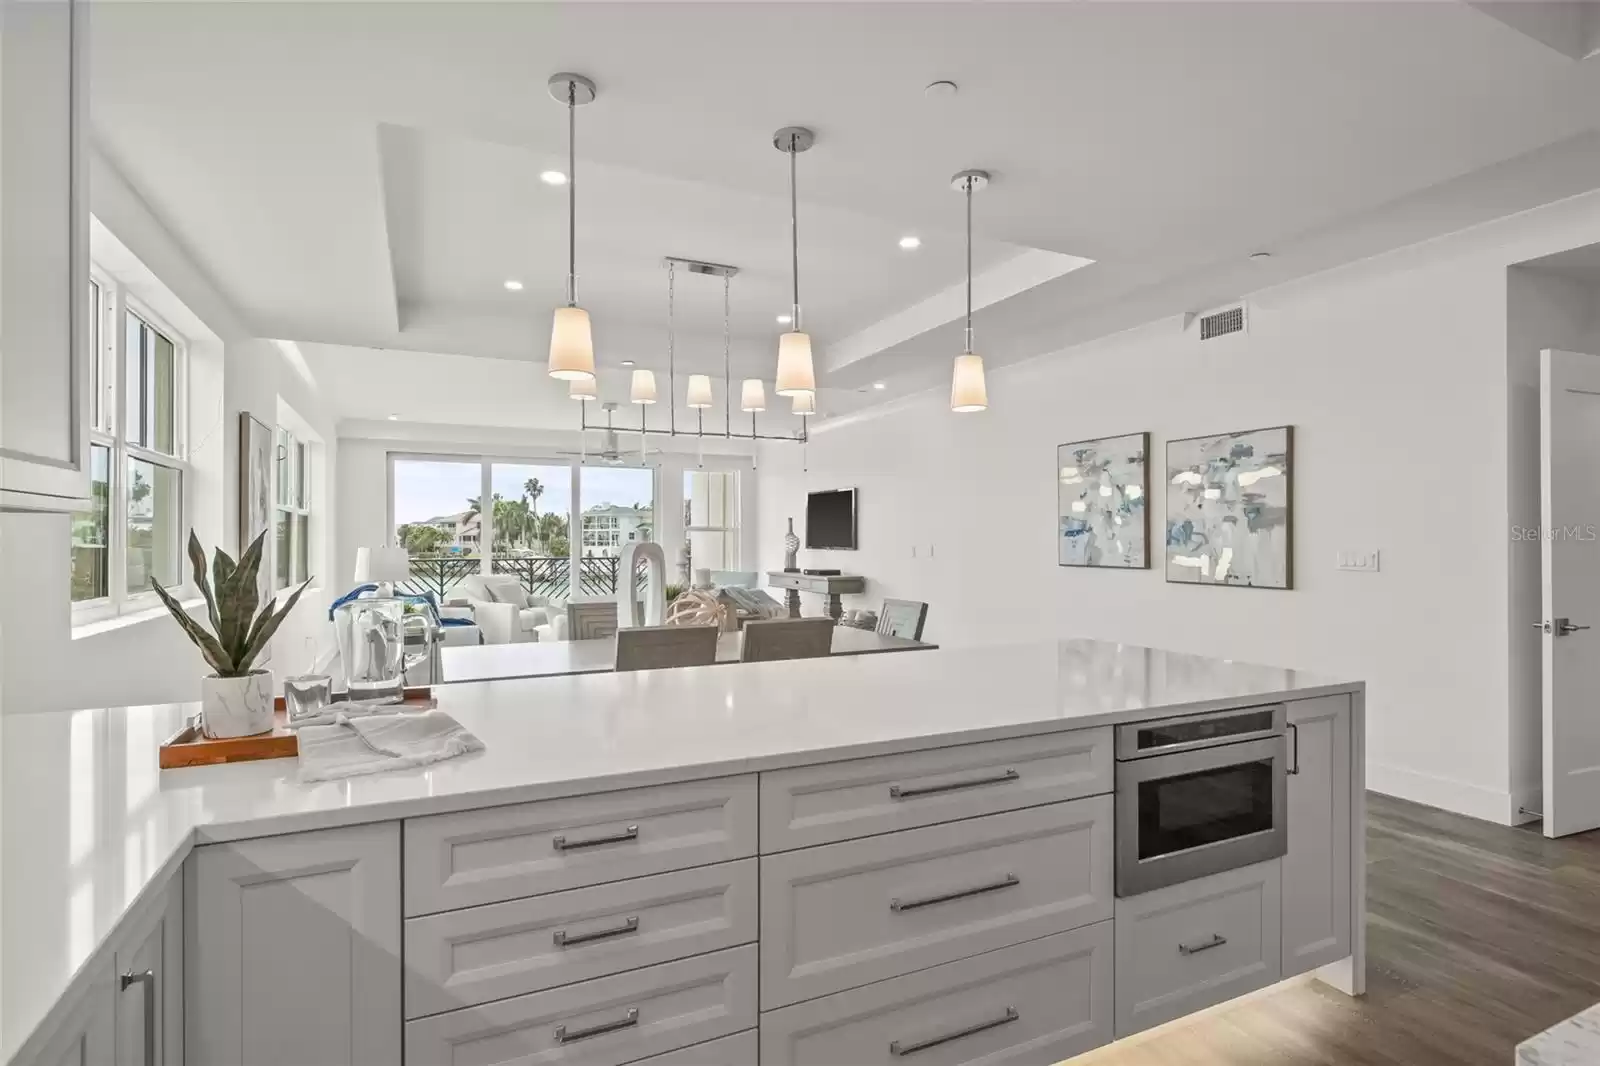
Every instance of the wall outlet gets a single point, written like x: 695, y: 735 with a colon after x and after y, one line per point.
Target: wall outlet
x: 1364, y: 560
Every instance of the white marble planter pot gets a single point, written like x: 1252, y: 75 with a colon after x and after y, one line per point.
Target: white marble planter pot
x: 236, y: 706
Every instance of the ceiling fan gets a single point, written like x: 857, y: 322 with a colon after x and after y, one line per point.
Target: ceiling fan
x: 609, y: 452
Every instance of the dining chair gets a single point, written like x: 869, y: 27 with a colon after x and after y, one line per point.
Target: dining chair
x: 769, y: 639
x: 659, y: 647
x: 902, y: 618
x: 591, y: 619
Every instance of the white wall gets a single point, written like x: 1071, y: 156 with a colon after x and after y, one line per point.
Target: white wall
x: 1394, y: 374
x: 46, y: 664
x: 364, y: 448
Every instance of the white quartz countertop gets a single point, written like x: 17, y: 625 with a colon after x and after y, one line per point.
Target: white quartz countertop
x: 88, y: 823
x: 1574, y: 1042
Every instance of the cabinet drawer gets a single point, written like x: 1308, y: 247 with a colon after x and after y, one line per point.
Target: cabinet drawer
x: 1043, y: 1001
x: 736, y: 1050
x: 847, y: 914
x: 485, y: 856
x: 1192, y: 945
x: 604, y: 1022
x: 838, y: 801
x: 459, y: 958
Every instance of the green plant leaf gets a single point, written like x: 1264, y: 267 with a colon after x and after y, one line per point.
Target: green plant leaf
x: 197, y: 561
x: 208, y: 645
x: 268, y: 624
x: 221, y: 569
x: 239, y: 599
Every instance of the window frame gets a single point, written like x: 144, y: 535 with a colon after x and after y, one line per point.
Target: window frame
x: 731, y: 534
x: 107, y: 428
x: 295, y: 459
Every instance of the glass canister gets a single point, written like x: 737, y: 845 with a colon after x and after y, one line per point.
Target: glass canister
x: 371, y: 641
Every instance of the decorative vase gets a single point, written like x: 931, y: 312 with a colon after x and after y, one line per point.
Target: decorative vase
x: 236, y: 706
x: 791, y: 547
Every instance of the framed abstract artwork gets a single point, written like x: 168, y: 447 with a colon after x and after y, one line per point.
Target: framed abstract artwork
x: 1102, y: 497
x: 1230, y: 513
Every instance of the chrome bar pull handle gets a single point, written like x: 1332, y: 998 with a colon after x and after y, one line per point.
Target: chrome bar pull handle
x: 563, y: 844
x: 899, y: 1050
x: 1216, y: 941
x: 898, y: 905
x: 1294, y: 731
x: 568, y: 1036
x: 565, y: 939
x: 148, y: 980
x: 900, y: 792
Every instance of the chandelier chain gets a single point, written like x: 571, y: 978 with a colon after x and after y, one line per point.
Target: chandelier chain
x: 572, y: 194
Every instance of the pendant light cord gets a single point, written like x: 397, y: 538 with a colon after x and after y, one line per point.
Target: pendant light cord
x: 727, y: 361
x: 969, y: 266
x: 572, y: 194
x: 794, y: 234
x: 672, y: 348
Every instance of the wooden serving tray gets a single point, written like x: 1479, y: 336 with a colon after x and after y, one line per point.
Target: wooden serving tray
x: 189, y: 747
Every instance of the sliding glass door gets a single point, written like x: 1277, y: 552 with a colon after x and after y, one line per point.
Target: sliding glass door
x: 617, y: 506
x: 532, y: 523
x: 436, y: 519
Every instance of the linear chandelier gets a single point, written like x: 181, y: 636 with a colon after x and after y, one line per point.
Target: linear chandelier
x: 699, y: 393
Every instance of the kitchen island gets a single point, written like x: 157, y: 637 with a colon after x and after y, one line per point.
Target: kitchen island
x: 813, y: 862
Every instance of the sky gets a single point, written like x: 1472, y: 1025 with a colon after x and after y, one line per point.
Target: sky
x: 426, y: 489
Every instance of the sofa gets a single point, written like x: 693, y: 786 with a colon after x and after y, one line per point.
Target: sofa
x: 504, y: 611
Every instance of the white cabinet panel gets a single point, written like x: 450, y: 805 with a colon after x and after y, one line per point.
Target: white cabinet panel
x: 500, y: 853
x: 604, y: 1022
x: 736, y: 1050
x: 847, y: 914
x: 459, y: 958
x: 1316, y: 869
x: 44, y: 255
x: 86, y: 1035
x: 1196, y: 944
x: 1039, y: 1002
x: 294, y: 949
x: 838, y: 801
x: 149, y: 985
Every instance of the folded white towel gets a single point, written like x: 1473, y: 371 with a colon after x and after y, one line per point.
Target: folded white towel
x: 374, y: 743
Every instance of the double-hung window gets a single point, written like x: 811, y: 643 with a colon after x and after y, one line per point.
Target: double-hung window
x: 133, y: 534
x: 292, y: 535
x: 711, y: 518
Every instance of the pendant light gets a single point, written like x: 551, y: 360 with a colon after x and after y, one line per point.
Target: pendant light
x: 967, y: 389
x: 795, y: 372
x: 571, y: 343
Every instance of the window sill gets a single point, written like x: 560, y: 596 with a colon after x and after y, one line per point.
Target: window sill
x: 122, y: 621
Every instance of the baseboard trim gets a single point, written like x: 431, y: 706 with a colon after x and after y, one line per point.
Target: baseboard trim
x: 1460, y: 797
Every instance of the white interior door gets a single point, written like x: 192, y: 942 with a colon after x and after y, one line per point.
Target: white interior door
x: 1569, y: 474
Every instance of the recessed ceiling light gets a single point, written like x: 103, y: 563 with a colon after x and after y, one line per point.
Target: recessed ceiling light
x: 394, y: 418
x: 553, y: 177
x: 909, y: 243
x: 513, y: 285
x: 784, y: 320
x: 880, y: 385
x: 627, y: 362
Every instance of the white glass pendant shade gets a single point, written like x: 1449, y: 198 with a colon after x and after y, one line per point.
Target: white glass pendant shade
x: 644, y: 387
x: 805, y: 403
x: 794, y: 364
x: 967, y: 390
x: 699, y: 391
x: 571, y: 345
x: 752, y: 396
x: 583, y: 388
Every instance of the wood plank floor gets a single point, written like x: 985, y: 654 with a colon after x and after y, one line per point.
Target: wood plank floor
x: 1478, y: 936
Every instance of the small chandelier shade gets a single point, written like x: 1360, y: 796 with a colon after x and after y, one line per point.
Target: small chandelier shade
x: 752, y: 396
x: 794, y: 364
x: 583, y: 388
x: 644, y: 387
x: 571, y: 345
x: 967, y: 390
x: 699, y: 396
x: 805, y: 403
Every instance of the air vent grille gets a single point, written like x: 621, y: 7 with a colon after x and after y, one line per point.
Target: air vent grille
x: 1222, y: 323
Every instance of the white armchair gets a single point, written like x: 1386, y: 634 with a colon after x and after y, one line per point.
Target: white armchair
x: 504, y: 611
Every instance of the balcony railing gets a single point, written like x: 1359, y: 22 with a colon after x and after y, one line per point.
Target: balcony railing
x: 540, y: 575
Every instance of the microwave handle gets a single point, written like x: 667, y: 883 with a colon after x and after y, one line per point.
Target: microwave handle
x: 1294, y: 764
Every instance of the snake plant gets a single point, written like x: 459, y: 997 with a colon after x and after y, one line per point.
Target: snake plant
x: 238, y: 633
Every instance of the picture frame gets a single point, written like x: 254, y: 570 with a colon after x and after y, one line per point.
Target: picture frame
x: 1103, y: 502
x: 1230, y: 509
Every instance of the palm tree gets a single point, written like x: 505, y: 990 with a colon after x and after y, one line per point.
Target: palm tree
x: 532, y: 489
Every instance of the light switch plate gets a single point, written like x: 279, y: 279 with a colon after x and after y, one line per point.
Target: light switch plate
x: 1364, y: 560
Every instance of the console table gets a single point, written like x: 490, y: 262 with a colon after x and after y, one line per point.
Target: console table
x: 831, y: 586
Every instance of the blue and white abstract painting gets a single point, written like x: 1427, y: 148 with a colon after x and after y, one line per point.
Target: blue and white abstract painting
x: 1228, y: 509
x: 1102, y: 489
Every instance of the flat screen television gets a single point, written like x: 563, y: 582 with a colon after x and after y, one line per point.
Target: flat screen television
x: 831, y: 519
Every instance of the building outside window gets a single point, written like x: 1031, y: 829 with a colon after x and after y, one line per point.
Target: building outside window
x: 134, y: 531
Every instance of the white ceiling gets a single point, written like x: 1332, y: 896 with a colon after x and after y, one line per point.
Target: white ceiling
x: 362, y: 176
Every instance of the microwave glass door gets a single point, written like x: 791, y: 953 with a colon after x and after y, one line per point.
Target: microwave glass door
x: 1204, y: 807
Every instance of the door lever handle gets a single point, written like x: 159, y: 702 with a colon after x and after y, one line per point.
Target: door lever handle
x: 1560, y: 627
